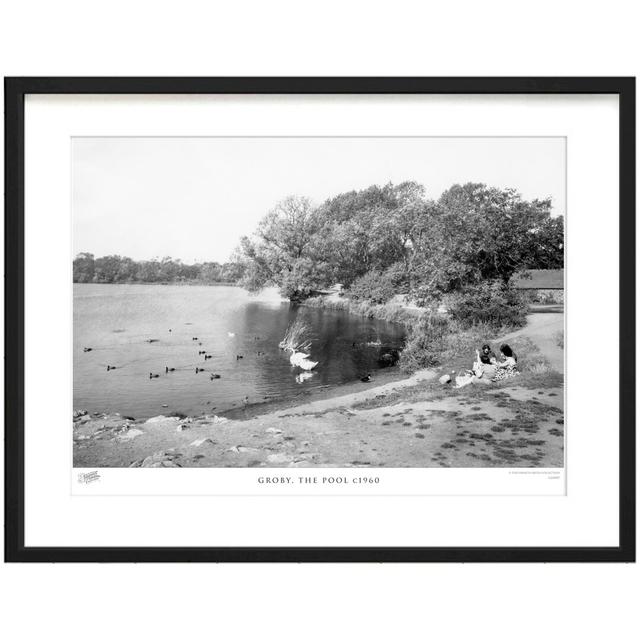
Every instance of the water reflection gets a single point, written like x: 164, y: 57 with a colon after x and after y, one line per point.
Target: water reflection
x: 239, y: 333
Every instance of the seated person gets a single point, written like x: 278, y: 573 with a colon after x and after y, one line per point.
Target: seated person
x: 508, y: 367
x: 485, y: 364
x: 487, y: 356
x: 483, y: 369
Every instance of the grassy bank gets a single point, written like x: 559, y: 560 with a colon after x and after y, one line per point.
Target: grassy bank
x: 434, y: 339
x: 437, y: 340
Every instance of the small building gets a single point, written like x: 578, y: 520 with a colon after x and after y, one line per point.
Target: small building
x: 335, y: 290
x: 545, y: 286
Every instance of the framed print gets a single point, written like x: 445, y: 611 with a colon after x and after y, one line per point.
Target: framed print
x: 320, y: 319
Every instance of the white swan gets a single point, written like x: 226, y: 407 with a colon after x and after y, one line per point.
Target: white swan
x: 296, y: 357
x: 300, y: 359
x: 231, y: 335
x: 307, y: 365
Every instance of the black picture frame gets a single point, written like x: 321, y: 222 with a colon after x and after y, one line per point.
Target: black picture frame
x: 15, y: 91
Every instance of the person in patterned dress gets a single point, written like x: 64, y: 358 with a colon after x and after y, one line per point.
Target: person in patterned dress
x: 508, y: 368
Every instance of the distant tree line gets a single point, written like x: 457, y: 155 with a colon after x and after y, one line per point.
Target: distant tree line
x: 393, y: 239
x: 119, y: 269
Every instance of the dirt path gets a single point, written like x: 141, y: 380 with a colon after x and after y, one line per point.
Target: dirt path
x: 543, y: 330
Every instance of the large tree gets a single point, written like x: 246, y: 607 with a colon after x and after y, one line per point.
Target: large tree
x: 484, y: 233
x: 367, y: 230
x: 281, y: 252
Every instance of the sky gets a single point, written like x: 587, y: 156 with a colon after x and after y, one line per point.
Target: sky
x: 193, y: 198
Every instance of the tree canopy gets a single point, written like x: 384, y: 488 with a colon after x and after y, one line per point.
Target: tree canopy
x: 395, y: 238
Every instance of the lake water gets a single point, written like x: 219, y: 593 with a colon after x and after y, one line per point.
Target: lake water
x: 117, y: 321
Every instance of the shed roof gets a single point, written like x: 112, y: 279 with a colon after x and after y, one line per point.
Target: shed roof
x: 540, y: 279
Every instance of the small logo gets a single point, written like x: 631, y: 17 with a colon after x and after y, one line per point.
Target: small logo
x: 90, y: 476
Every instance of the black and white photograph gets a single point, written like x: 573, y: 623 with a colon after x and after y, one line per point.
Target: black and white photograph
x: 368, y: 302
x: 320, y: 320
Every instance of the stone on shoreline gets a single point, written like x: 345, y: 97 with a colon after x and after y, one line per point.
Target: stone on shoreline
x: 201, y: 441
x: 129, y: 434
x: 158, y: 459
x: 241, y: 449
x: 280, y: 458
x: 157, y: 419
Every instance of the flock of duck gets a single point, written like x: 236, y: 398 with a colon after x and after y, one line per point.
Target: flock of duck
x: 168, y: 369
x: 297, y: 359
